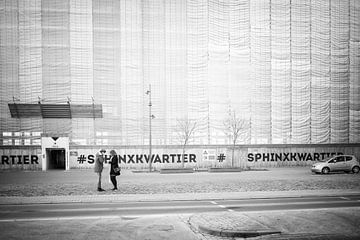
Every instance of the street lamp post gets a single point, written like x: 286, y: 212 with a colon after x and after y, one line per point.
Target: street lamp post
x: 148, y: 92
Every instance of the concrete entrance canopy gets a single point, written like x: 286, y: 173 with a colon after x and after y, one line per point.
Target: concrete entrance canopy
x: 55, y: 110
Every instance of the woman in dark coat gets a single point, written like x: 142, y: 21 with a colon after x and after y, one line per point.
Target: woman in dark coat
x: 113, y: 168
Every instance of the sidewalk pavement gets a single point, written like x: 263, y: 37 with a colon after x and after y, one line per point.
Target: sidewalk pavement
x: 298, y: 224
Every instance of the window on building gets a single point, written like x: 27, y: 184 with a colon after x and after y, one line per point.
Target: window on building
x: 36, y: 134
x: 36, y: 142
x: 26, y: 134
x: 7, y: 142
x: 27, y: 142
x: 79, y: 141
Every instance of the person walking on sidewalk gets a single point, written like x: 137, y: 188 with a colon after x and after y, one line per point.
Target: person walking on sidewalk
x: 114, y: 168
x: 99, y: 166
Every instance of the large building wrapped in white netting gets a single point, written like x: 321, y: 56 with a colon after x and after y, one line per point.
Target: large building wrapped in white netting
x: 289, y: 69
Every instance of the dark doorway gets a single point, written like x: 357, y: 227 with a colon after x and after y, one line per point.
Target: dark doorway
x: 55, y: 158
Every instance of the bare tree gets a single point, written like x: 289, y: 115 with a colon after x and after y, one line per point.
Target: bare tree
x: 234, y: 127
x: 185, y: 129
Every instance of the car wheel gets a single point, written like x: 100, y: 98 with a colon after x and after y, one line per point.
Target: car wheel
x: 355, y: 169
x: 325, y: 170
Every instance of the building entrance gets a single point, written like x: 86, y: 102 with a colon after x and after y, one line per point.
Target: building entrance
x: 55, y: 158
x: 55, y: 152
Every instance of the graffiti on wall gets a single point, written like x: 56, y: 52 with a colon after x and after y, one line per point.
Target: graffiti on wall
x: 207, y: 157
x: 289, y: 156
x: 19, y: 159
x: 141, y: 158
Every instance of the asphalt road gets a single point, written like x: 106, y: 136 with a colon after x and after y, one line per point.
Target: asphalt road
x: 72, y: 211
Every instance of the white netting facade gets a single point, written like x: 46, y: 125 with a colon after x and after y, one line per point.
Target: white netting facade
x: 289, y: 68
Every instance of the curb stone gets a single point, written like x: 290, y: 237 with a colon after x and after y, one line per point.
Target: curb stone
x: 232, y: 224
x: 307, y: 236
x: 225, y: 170
x: 176, y: 170
x: 234, y: 233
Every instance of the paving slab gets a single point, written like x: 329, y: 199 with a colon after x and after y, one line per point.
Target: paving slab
x: 149, y: 228
x: 84, y: 182
x: 315, y: 224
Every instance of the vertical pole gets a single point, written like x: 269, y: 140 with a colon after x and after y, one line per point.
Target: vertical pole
x: 150, y: 116
x: 94, y: 127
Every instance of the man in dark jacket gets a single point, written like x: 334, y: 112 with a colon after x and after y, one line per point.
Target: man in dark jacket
x: 99, y: 166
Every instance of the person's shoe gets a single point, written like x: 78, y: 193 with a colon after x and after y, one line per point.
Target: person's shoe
x: 114, y: 189
x: 101, y: 190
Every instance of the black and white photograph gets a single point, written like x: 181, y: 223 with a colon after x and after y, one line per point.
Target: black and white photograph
x: 180, y: 119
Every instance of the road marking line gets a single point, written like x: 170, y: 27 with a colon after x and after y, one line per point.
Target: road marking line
x: 59, y: 218
x: 222, y: 206
x: 299, y: 210
x: 145, y: 208
x: 124, y: 217
x: 290, y: 203
x: 75, y: 209
x: 345, y: 198
x: 107, y: 209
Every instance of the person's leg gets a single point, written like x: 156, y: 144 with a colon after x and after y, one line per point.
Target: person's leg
x: 99, y: 180
x: 113, y: 180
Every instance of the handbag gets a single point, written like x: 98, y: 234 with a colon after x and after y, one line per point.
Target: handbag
x: 117, y: 171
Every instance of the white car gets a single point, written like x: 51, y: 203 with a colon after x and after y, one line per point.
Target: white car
x: 346, y: 163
